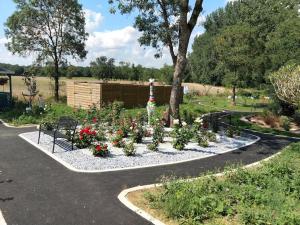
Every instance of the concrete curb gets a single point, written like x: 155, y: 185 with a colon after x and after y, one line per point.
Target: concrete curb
x: 2, y: 220
x: 72, y: 168
x: 24, y: 126
x: 123, y: 195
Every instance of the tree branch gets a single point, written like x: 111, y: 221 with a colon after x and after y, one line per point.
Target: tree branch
x: 195, y: 14
x: 162, y: 4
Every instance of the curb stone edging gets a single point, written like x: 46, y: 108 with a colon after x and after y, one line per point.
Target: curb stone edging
x: 23, y: 126
x: 258, y: 132
x: 2, y: 220
x: 72, y: 168
x: 124, y: 200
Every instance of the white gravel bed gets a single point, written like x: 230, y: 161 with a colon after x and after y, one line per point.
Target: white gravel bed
x: 83, y: 160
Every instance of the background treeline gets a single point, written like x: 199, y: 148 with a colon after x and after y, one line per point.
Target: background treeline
x: 102, y: 68
x: 242, y: 44
x: 245, y: 41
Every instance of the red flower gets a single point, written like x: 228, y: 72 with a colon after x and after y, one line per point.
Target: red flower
x: 95, y: 120
x: 98, y: 148
x: 120, y: 132
x: 80, y: 137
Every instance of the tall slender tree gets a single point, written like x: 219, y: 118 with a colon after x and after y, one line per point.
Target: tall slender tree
x: 165, y: 23
x: 53, y: 30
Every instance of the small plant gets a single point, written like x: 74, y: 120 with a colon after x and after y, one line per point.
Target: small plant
x: 285, y: 123
x: 47, y: 124
x: 116, y: 109
x: 181, y: 136
x: 269, y: 118
x: 85, y: 137
x: 297, y: 117
x: 233, y: 131
x: 100, y: 149
x: 202, y: 140
x: 137, y: 132
x: 117, y: 141
x: 212, y: 137
x: 153, y: 146
x: 129, y: 149
x: 158, y: 132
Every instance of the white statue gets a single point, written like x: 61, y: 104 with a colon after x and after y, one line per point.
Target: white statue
x: 151, y: 101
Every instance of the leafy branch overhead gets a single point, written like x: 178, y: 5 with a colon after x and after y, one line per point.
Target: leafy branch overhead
x: 169, y: 24
x: 159, y: 21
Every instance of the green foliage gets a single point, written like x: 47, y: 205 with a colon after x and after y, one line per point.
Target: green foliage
x: 265, y: 195
x: 286, y: 83
x: 181, y: 136
x: 99, y: 149
x: 297, y: 117
x: 158, y: 132
x: 285, y: 123
x: 27, y: 30
x: 129, y: 149
x: 264, y: 36
x: 153, y: 146
x: 232, y: 131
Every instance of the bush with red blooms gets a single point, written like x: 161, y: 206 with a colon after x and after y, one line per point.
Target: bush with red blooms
x: 85, y: 137
x: 100, y: 149
x: 117, y: 139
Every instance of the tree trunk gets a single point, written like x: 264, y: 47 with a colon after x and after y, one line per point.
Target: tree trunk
x: 234, y: 95
x: 176, y: 88
x: 56, y: 82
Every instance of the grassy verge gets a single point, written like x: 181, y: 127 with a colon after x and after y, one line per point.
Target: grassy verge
x: 242, y: 124
x: 268, y: 194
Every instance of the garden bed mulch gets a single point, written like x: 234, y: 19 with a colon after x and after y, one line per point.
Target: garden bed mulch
x: 82, y: 159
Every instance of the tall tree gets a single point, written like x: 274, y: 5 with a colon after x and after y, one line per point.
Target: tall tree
x: 275, y: 31
x: 165, y: 23
x: 234, y: 47
x: 51, y: 29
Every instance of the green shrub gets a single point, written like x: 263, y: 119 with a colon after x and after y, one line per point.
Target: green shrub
x: 158, y: 132
x: 202, y: 140
x: 129, y: 149
x: 153, y: 146
x: 181, y: 136
x: 297, y: 117
x: 285, y: 123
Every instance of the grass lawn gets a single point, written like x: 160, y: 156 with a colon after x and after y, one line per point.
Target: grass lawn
x: 219, y: 103
x: 242, y: 124
x: 268, y: 194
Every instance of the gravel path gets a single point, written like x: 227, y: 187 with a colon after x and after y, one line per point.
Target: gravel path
x: 82, y: 159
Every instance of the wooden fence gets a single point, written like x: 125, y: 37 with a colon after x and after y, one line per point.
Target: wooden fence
x: 85, y: 94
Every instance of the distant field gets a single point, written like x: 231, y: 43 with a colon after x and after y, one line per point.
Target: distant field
x: 45, y: 86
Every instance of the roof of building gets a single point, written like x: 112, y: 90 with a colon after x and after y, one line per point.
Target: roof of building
x: 6, y: 71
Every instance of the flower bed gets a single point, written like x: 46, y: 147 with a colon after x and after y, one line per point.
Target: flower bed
x: 83, y: 159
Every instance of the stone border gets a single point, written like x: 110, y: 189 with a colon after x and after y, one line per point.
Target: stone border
x: 72, y: 168
x: 2, y: 220
x: 123, y: 195
x: 258, y: 132
x: 23, y: 126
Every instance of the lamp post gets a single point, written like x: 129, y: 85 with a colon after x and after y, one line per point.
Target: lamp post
x: 151, y: 101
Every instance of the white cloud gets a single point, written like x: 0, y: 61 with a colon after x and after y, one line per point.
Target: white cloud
x: 8, y: 57
x: 123, y: 45
x: 92, y: 19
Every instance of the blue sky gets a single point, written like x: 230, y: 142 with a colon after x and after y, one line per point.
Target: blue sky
x: 109, y: 35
